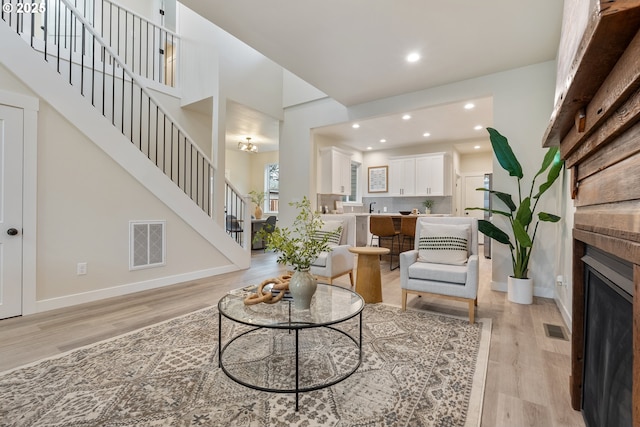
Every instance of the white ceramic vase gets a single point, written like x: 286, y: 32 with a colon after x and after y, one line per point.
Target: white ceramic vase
x: 302, y: 287
x: 520, y: 291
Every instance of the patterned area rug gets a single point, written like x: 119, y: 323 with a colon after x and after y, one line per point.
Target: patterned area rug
x: 418, y: 369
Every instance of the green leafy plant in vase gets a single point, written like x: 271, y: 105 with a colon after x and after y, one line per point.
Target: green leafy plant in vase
x: 428, y: 204
x: 522, y: 216
x: 298, y: 247
x: 257, y: 197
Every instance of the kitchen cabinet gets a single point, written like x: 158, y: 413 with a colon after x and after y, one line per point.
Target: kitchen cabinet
x: 335, y: 171
x: 424, y: 175
x: 402, y: 177
x: 432, y: 176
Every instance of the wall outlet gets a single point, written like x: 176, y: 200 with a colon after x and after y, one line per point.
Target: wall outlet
x: 560, y: 280
x: 81, y: 269
x: 384, y: 209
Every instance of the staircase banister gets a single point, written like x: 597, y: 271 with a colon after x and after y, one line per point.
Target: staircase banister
x: 131, y: 75
x: 142, y: 18
x: 235, y: 190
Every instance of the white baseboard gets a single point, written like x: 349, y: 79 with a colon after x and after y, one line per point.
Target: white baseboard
x: 498, y: 286
x: 566, y: 315
x: 85, y: 297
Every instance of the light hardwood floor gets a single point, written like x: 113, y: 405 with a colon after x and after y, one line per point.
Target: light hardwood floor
x: 527, y: 377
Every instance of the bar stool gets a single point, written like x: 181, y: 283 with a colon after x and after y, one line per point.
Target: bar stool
x: 408, y: 229
x: 382, y: 227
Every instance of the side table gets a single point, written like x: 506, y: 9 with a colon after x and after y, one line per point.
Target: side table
x: 368, y: 280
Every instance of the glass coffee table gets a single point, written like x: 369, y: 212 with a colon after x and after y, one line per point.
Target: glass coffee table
x: 278, y: 348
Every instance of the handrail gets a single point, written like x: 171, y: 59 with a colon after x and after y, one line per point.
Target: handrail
x: 127, y: 70
x: 136, y: 14
x: 110, y: 89
x: 126, y: 47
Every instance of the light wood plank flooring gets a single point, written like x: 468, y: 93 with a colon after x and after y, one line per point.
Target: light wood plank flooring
x: 527, y: 377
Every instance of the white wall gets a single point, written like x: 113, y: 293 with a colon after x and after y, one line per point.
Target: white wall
x: 476, y: 162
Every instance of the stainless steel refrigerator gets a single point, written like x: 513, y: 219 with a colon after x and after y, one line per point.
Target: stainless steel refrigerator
x: 487, y: 215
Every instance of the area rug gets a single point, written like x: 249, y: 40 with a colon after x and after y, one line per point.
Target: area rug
x: 418, y: 369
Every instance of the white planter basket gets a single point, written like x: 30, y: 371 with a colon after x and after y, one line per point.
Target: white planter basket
x: 520, y: 291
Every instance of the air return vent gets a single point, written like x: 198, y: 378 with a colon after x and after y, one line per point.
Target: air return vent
x: 146, y: 244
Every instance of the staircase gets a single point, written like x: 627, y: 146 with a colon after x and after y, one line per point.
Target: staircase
x: 126, y: 120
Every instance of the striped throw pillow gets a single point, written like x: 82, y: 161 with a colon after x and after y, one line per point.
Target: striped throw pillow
x: 444, y: 243
x: 332, y: 229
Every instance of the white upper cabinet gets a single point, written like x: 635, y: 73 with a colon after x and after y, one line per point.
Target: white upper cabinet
x: 424, y: 175
x: 402, y: 177
x: 335, y: 171
x: 432, y: 176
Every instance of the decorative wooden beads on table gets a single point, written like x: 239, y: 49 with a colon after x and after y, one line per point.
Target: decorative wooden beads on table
x: 280, y: 284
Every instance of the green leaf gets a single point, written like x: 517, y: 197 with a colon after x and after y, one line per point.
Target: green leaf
x: 524, y: 214
x: 521, y: 234
x: 554, y: 172
x: 548, y: 158
x: 506, y: 199
x: 504, y: 154
x: 487, y: 228
x: 544, y: 216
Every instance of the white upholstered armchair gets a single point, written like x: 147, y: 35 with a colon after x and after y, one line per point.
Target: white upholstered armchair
x: 338, y: 261
x: 444, y: 261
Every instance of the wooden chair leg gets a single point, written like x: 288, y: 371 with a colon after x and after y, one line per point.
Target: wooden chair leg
x: 351, y: 278
x: 476, y: 302
x: 404, y: 300
x: 472, y: 309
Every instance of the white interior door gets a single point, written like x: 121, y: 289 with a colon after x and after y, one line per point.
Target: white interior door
x: 11, y: 163
x: 471, y: 198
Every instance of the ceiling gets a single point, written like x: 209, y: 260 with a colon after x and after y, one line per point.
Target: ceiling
x: 354, y: 51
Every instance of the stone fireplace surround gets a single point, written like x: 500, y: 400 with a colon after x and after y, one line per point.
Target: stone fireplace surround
x: 596, y: 122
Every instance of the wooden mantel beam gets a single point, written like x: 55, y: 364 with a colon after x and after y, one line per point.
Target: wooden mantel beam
x: 605, y: 39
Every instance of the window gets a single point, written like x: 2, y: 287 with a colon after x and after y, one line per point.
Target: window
x: 272, y: 186
x: 355, y: 173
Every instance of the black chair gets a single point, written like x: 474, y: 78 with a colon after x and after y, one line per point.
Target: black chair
x: 269, y: 226
x: 233, y: 227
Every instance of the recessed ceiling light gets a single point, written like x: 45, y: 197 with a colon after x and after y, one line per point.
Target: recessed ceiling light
x: 426, y: 134
x: 413, y: 57
x: 406, y: 117
x: 469, y: 106
x: 355, y: 126
x: 383, y: 140
x: 369, y: 148
x: 477, y: 147
x: 478, y: 127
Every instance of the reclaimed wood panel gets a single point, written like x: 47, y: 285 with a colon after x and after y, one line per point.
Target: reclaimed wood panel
x: 619, y: 220
x: 624, y: 146
x: 623, y: 80
x: 577, y: 325
x: 636, y: 346
x: 605, y: 38
x: 627, y: 115
x: 629, y: 251
x: 617, y: 183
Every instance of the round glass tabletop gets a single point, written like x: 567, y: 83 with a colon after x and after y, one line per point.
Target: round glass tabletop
x: 330, y: 305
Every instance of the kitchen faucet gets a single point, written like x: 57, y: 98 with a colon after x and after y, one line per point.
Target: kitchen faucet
x: 371, y: 207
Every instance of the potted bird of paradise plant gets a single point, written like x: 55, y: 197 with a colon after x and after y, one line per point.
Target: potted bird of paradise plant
x: 522, y: 216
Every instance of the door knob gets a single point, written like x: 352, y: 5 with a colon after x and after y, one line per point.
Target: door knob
x: 12, y: 232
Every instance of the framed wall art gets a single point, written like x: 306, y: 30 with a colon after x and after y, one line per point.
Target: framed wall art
x: 378, y: 179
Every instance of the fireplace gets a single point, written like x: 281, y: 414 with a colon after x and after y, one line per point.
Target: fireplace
x: 608, y: 340
x: 596, y: 123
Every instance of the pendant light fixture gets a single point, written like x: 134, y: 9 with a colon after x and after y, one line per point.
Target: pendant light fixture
x: 247, y: 146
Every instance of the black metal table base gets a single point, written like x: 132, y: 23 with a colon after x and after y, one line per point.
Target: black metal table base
x: 297, y: 390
